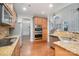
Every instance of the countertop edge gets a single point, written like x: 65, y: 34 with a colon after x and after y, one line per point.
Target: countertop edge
x: 8, y: 50
x: 56, y: 43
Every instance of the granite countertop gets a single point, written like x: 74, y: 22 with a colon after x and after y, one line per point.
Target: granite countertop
x: 8, y: 50
x: 61, y: 34
x: 73, y: 48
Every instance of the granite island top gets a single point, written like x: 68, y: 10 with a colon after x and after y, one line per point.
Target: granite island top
x: 8, y: 50
x: 73, y: 48
x: 61, y: 34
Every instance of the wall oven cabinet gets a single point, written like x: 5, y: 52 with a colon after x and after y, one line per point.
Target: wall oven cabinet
x: 40, y: 27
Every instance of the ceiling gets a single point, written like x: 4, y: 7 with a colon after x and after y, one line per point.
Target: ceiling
x: 36, y: 9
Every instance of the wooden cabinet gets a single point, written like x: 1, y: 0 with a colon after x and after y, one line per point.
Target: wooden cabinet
x: 43, y: 22
x: 5, y: 15
x: 38, y: 20
x: 44, y: 27
x: 10, y: 8
x: 59, y: 51
x: 16, y: 51
x: 13, y: 23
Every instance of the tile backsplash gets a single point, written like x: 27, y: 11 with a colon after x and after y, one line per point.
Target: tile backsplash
x: 4, y: 31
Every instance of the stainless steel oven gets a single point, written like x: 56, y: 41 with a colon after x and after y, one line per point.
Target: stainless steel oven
x: 38, y: 31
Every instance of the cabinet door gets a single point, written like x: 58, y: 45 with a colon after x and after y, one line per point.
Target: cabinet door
x: 6, y: 16
x: 44, y: 28
x: 13, y: 22
x: 39, y: 21
x: 9, y: 7
x: 12, y: 19
x: 44, y: 23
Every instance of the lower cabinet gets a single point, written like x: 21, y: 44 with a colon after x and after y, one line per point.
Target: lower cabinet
x: 16, y: 51
x: 59, y: 51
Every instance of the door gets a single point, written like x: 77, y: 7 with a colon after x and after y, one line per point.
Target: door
x: 26, y: 29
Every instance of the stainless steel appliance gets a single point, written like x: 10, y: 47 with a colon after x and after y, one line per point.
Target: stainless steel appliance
x: 38, y: 32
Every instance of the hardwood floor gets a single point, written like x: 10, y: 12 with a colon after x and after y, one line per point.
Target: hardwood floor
x: 41, y: 49
x: 26, y: 47
x: 37, y: 48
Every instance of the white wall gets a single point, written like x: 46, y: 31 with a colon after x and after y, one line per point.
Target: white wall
x: 26, y: 28
x: 18, y: 29
x: 71, y: 15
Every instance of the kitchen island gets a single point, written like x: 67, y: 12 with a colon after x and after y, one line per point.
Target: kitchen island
x: 56, y: 36
x: 68, y: 44
x: 11, y: 50
x: 66, y: 49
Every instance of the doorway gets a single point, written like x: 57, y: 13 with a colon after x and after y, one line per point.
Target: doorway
x: 26, y: 34
x: 26, y: 28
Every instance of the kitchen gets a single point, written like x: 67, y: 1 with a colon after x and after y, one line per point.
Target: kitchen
x: 26, y: 32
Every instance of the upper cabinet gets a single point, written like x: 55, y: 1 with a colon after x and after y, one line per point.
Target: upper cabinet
x: 11, y: 9
x: 8, y: 15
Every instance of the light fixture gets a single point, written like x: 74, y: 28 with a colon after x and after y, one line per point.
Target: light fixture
x: 24, y: 9
x: 50, y: 5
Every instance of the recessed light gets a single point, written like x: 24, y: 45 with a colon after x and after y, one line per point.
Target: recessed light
x: 50, y: 5
x: 24, y: 9
x: 29, y: 5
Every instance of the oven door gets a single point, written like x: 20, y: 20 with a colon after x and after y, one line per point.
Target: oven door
x: 38, y: 32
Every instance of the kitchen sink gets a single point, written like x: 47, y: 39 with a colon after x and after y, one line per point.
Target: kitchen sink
x: 6, y: 41
x: 67, y: 40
